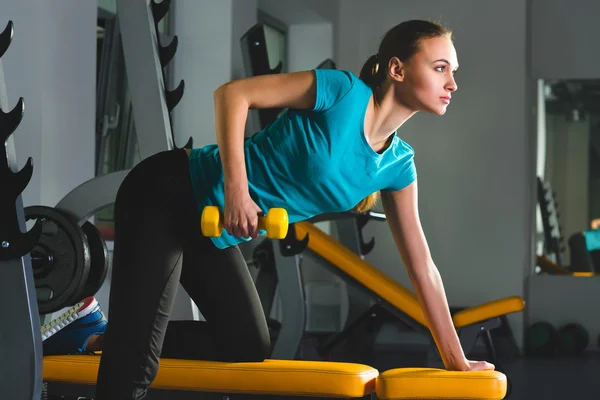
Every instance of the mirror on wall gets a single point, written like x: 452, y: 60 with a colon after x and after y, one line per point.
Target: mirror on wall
x: 568, y: 172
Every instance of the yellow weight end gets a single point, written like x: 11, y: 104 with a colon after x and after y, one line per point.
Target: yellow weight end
x: 276, y: 223
x: 210, y: 222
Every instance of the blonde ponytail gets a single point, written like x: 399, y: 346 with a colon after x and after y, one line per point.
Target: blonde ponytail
x: 367, y: 203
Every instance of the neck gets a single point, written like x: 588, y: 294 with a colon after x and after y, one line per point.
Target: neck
x: 386, y: 117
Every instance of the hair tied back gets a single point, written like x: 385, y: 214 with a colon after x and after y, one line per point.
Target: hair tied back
x: 375, y: 68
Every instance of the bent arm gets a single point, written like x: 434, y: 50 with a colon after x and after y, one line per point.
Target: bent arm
x: 401, y: 211
x: 234, y: 99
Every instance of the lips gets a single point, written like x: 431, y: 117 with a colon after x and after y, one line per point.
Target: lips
x: 445, y: 99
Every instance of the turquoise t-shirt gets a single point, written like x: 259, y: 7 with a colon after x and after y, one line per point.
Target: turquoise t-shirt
x: 310, y: 161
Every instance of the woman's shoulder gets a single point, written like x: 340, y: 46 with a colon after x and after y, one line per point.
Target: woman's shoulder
x: 337, y: 74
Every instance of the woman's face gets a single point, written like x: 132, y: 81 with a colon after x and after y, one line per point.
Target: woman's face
x: 428, y: 81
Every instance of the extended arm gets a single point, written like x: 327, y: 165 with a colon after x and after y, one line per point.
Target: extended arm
x: 401, y: 211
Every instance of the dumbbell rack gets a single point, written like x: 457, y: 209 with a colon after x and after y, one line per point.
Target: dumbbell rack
x: 145, y: 59
x: 21, y: 343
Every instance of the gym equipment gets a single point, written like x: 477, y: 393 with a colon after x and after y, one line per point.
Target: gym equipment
x: 572, y: 339
x: 152, y: 103
x: 548, y: 209
x: 276, y: 269
x: 275, y: 222
x: 21, y: 374
x: 540, y: 339
x: 61, y: 259
x: 98, y: 260
x: 391, y: 300
x: 582, y: 259
x: 21, y: 348
x: 69, y: 262
x: 400, y: 301
x: 151, y: 100
x: 77, y: 374
x: 543, y: 339
x: 400, y: 384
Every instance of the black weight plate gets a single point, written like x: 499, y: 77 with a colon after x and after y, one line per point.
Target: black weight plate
x: 98, y: 259
x: 66, y: 254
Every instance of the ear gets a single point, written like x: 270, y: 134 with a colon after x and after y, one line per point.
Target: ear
x: 396, y: 69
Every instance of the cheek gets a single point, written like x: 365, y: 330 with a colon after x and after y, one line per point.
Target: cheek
x: 425, y: 90
x: 421, y: 90
x: 427, y: 86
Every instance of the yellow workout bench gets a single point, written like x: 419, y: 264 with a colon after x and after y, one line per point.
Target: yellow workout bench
x: 293, y: 378
x: 398, y: 299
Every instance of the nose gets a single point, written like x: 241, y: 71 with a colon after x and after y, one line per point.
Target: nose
x: 451, y: 86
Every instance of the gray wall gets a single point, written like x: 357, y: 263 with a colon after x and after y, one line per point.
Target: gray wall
x: 203, y: 63
x: 310, y: 44
x: 51, y: 63
x: 564, y: 34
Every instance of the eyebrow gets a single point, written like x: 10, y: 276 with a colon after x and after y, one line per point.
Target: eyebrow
x: 446, y: 61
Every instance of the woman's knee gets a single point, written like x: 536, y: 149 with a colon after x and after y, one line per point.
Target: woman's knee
x: 250, y: 348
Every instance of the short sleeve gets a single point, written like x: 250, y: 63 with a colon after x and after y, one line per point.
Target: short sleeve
x: 331, y: 86
x: 405, y: 173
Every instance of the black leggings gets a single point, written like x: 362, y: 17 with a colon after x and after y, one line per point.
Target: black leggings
x: 158, y: 244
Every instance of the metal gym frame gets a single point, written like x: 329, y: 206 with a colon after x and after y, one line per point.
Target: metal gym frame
x: 20, y: 331
x: 145, y: 57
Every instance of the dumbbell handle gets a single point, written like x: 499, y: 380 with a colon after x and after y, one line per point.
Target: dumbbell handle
x: 275, y: 222
x: 262, y: 221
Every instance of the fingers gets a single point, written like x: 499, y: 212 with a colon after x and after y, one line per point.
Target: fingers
x: 242, y: 225
x: 482, y: 366
x: 252, y: 227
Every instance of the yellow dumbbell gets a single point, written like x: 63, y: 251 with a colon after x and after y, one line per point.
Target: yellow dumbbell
x: 275, y: 222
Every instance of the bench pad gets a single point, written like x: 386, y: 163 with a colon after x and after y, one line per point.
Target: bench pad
x: 433, y: 383
x: 283, y: 377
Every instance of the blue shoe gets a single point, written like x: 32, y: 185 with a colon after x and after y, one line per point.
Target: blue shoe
x: 72, y: 338
x: 69, y: 315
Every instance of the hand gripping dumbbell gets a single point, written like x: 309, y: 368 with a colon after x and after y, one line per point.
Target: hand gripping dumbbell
x: 275, y: 222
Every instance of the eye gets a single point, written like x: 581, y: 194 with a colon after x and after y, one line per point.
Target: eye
x: 443, y: 68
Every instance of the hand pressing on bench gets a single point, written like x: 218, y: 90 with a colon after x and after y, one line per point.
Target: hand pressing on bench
x: 477, y: 366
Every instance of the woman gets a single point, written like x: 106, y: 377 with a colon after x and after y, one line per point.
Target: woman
x: 334, y: 149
